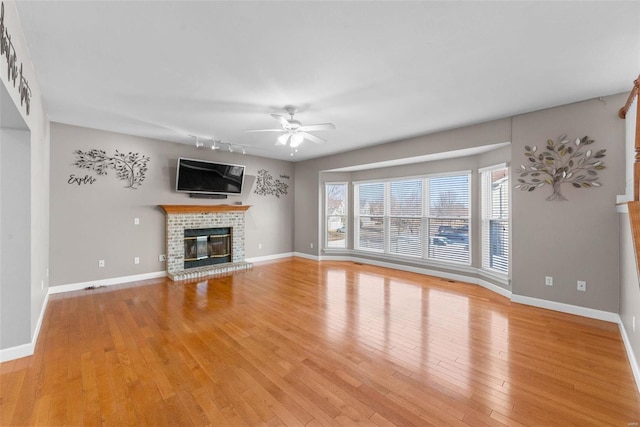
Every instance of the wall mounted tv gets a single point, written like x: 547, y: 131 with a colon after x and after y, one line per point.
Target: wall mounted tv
x: 204, y: 177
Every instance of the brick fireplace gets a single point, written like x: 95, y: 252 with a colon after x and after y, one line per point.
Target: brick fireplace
x: 186, y: 221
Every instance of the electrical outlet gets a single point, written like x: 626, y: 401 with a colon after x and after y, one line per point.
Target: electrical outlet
x: 311, y: 245
x: 136, y: 260
x: 259, y: 245
x: 633, y: 324
x: 548, y: 281
x: 136, y: 221
x: 42, y: 285
x: 582, y: 285
x: 162, y: 258
x: 101, y: 263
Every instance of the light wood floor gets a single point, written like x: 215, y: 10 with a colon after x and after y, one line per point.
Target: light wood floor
x: 296, y: 342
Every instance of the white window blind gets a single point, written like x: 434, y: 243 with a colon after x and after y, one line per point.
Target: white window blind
x: 495, y: 220
x: 370, y: 217
x: 405, y: 219
x: 448, y: 235
x: 417, y: 217
x: 336, y: 215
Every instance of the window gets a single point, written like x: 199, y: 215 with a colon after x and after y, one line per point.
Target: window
x: 448, y: 218
x: 495, y: 219
x: 336, y: 215
x: 370, y: 216
x: 405, y: 218
x: 418, y: 217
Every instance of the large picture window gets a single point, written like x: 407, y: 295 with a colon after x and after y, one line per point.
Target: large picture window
x: 495, y: 219
x: 448, y: 219
x: 336, y: 215
x: 420, y: 217
x: 405, y: 217
x: 370, y: 216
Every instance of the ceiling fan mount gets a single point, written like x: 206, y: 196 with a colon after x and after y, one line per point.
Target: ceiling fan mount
x: 294, y: 131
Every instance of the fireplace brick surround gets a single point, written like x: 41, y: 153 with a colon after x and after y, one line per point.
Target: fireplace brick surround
x: 181, y: 217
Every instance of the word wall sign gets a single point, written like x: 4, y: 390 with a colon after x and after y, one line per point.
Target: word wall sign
x: 9, y: 52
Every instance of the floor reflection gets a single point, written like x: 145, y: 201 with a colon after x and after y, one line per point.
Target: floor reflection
x: 428, y: 327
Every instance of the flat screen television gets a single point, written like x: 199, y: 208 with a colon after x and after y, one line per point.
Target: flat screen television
x: 204, y: 177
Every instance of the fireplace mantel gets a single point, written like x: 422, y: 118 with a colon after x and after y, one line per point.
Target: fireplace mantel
x: 181, y: 209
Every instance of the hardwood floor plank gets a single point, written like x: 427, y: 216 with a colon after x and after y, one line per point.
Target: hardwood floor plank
x: 297, y: 342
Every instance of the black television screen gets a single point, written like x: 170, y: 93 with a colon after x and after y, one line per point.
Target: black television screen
x: 200, y: 176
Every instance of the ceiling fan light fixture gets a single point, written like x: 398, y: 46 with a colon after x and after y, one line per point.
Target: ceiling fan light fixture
x: 296, y: 139
x: 282, y: 139
x: 294, y: 132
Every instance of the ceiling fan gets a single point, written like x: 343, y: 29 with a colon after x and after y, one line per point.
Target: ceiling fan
x: 294, y: 131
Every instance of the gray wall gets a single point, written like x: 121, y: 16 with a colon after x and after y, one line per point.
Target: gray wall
x: 90, y: 222
x: 15, y: 237
x: 573, y: 240
x: 37, y: 123
x: 577, y: 239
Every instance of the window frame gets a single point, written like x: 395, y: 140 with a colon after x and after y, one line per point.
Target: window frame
x: 468, y: 218
x: 486, y: 219
x: 326, y: 215
x: 357, y: 217
x: 424, y: 218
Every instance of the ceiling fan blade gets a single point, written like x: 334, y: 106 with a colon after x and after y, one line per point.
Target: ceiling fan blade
x: 320, y: 126
x: 264, y: 130
x: 312, y: 138
x: 282, y: 119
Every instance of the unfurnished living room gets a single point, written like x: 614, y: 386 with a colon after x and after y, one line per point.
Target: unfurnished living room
x: 384, y: 213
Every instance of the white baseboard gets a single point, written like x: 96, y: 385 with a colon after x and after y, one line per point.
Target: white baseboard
x: 494, y: 288
x: 16, y: 352
x: 28, y: 349
x: 36, y: 332
x: 269, y: 257
x: 633, y: 361
x: 536, y: 302
x: 307, y: 256
x: 592, y: 313
x: 420, y: 270
x: 106, y: 282
x: 337, y: 258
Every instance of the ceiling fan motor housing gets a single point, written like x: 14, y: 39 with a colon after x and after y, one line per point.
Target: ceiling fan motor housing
x: 292, y: 126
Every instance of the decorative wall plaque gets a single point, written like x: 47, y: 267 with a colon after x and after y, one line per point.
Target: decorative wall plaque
x: 559, y: 163
x: 267, y: 186
x: 130, y: 167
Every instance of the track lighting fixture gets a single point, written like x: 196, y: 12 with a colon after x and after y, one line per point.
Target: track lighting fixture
x: 216, y: 144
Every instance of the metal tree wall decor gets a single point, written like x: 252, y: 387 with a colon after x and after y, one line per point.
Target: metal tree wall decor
x: 130, y: 167
x: 559, y: 163
x: 266, y: 185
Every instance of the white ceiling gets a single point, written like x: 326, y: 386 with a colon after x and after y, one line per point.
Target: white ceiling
x: 381, y: 71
